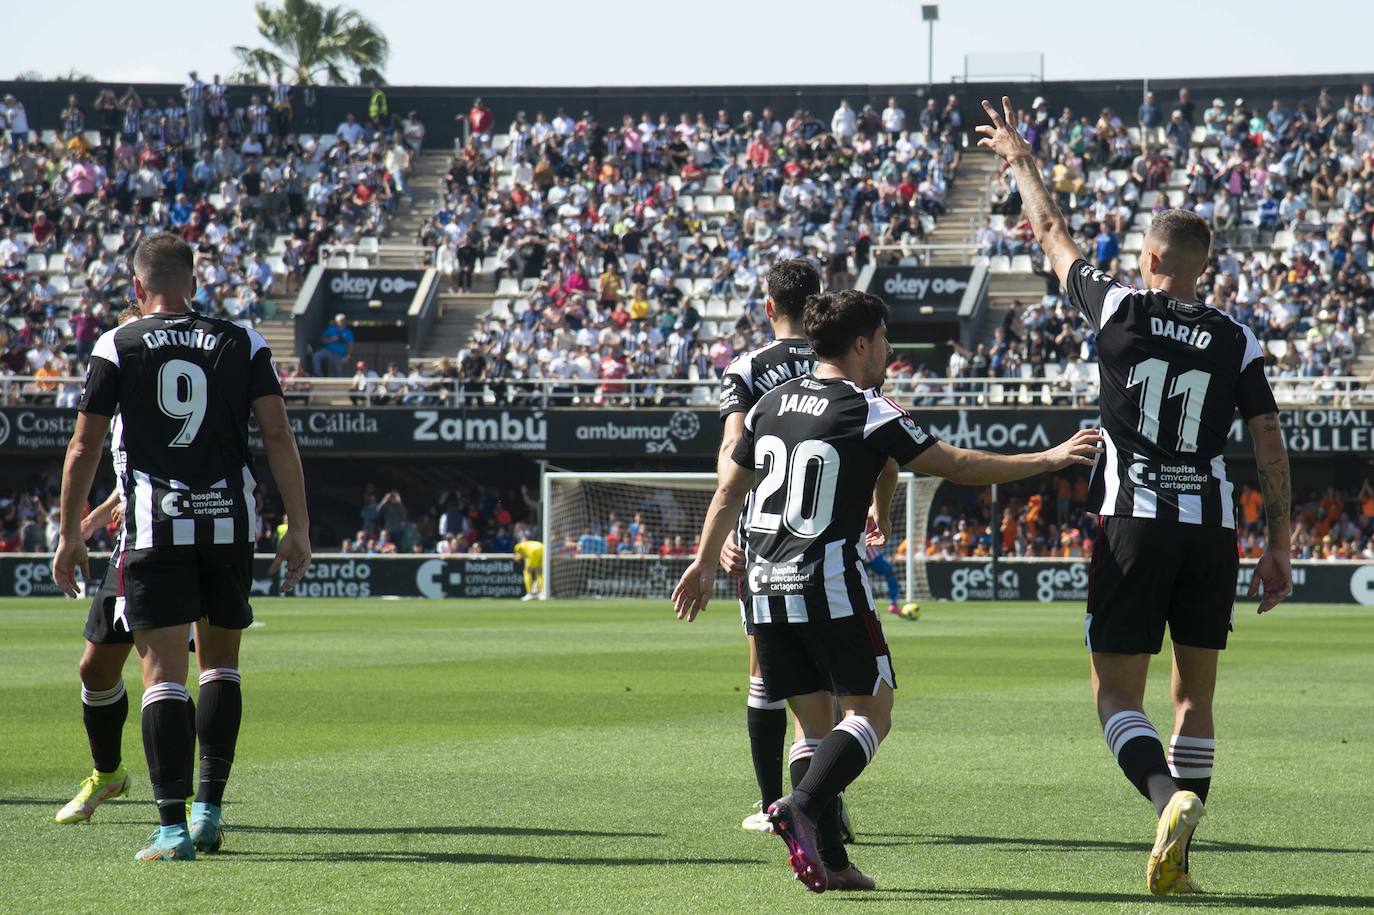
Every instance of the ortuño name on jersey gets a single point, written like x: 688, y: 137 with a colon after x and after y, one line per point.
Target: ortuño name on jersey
x: 194, y: 339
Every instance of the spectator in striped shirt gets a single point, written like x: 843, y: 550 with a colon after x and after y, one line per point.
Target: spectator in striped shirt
x: 73, y: 120
x: 194, y: 94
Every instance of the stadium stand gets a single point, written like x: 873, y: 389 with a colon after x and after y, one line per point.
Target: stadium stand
x: 261, y: 205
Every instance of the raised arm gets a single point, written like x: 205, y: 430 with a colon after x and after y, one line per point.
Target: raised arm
x: 979, y: 468
x: 1274, y: 570
x: 1051, y: 229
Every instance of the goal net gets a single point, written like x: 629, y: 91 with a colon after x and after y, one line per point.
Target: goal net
x: 631, y: 535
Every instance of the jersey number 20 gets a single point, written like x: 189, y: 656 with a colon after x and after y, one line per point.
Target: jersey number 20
x: 807, y: 510
x: 181, y: 390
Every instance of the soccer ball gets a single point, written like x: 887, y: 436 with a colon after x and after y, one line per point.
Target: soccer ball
x: 911, y: 611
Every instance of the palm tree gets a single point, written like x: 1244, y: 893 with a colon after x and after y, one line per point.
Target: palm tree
x: 315, y: 44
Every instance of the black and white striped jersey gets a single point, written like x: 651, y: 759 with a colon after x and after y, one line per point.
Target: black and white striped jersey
x: 753, y: 374
x: 182, y: 385
x: 1173, y: 375
x: 817, y: 447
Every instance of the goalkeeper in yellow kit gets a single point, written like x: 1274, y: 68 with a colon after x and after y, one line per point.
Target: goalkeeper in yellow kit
x: 531, y: 554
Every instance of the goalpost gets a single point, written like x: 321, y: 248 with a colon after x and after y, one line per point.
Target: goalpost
x: 631, y: 535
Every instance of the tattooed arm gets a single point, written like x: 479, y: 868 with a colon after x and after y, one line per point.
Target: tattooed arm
x: 1051, y: 229
x: 1271, y: 460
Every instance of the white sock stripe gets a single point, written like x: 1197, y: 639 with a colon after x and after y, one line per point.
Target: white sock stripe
x: 100, y: 697
x: 1189, y: 771
x: 755, y: 683
x: 1193, y: 743
x: 761, y: 702
x: 220, y: 673
x: 1199, y: 755
x: 858, y: 726
x: 1126, y: 726
x: 159, y: 692
x: 802, y: 749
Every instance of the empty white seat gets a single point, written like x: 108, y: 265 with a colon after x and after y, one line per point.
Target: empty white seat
x: 701, y: 286
x: 1199, y: 134
x: 500, y: 142
x: 979, y: 260
x: 1176, y: 197
x: 714, y: 183
x: 60, y: 283
x: 57, y: 263
x: 36, y: 263
x: 1142, y: 219
x: 1119, y: 175
x: 683, y: 284
x: 683, y: 243
x: 1133, y: 241
x: 369, y: 244
x: 338, y: 262
x: 279, y: 244
x: 1148, y: 198
x: 705, y: 204
x: 675, y: 182
x: 725, y: 203
x: 528, y: 283
x: 357, y: 262
x: 686, y: 204
x: 500, y: 308
x: 508, y: 286
x: 520, y: 306
x: 1129, y: 261
x: 277, y: 264
x: 1282, y: 239
x: 716, y: 308
x: 1021, y: 263
x: 709, y: 329
x: 489, y: 264
x: 999, y: 263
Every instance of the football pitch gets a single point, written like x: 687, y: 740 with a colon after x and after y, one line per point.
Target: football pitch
x: 590, y: 756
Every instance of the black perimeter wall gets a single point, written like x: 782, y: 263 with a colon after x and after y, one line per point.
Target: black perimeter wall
x: 437, y: 105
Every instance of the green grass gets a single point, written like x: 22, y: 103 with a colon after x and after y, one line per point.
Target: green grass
x: 493, y: 756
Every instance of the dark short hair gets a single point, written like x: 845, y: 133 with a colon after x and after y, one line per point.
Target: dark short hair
x: 164, y: 261
x: 790, y: 284
x: 1186, y: 234
x: 834, y: 320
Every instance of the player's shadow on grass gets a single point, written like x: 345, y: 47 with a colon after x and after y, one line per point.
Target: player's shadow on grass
x: 1202, y: 845
x: 427, y: 857
x: 444, y: 831
x: 1222, y: 900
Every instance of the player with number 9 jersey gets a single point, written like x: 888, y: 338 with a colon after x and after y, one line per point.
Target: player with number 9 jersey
x: 183, y: 384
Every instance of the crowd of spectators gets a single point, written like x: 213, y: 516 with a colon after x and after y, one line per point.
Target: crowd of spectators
x: 1051, y: 519
x: 641, y: 250
x: 463, y: 520
x: 218, y: 165
x: 1289, y: 194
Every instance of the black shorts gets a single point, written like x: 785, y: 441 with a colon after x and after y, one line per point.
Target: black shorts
x: 175, y: 585
x: 847, y: 657
x: 1147, y: 573
x: 103, y: 625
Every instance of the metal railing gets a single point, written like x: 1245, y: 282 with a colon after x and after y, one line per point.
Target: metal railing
x: 1050, y: 389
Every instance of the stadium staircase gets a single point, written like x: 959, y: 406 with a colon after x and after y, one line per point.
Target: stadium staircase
x: 966, y: 205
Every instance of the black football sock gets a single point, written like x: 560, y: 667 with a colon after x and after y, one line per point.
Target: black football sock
x: 829, y: 836
x: 104, y: 712
x: 767, y: 736
x: 1190, y: 763
x: 191, y: 757
x: 1135, y: 742
x: 217, y: 726
x: 839, y: 759
x: 167, y: 740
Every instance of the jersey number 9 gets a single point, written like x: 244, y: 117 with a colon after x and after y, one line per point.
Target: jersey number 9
x: 181, y: 390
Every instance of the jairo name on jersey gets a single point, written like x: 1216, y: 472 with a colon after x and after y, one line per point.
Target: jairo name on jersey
x: 809, y: 404
x: 192, y: 339
x: 1193, y: 336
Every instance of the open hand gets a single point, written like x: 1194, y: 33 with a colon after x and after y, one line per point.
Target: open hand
x: 1082, y: 448
x: 294, y: 550
x: 1001, y: 135
x: 693, y: 592
x: 70, y: 556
